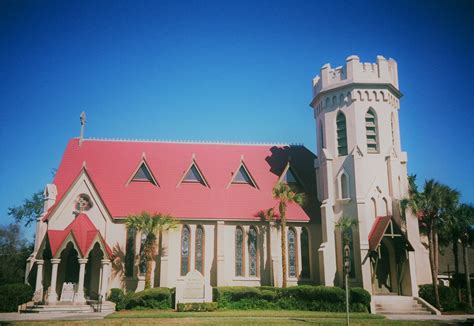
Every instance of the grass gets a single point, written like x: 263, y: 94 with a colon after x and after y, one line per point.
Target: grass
x: 233, y: 317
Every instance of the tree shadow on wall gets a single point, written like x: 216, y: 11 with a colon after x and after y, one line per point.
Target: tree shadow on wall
x: 301, y: 161
x: 118, y: 270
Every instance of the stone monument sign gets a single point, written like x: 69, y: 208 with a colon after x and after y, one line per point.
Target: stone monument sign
x: 193, y: 288
x: 67, y: 293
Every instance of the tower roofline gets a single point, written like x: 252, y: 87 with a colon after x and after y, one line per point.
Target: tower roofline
x: 383, y: 72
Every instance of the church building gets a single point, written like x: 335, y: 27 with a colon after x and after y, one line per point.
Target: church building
x: 215, y: 191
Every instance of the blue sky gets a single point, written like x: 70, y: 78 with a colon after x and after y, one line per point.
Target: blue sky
x: 235, y: 71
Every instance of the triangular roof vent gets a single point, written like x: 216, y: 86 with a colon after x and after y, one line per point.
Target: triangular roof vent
x: 242, y: 176
x: 290, y: 177
x: 143, y: 174
x: 194, y: 175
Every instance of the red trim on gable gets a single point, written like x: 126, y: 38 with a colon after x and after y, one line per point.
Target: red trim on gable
x: 83, y: 232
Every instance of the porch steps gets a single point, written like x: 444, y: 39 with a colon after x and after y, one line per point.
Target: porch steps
x: 399, y: 305
x: 107, y: 306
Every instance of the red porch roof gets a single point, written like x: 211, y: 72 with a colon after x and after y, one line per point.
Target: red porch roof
x: 83, y: 232
x: 111, y: 164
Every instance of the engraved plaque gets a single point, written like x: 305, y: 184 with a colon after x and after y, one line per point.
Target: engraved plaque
x: 67, y: 293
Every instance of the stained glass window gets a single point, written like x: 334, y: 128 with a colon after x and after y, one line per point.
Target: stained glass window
x: 305, y: 254
x: 130, y: 252
x: 252, y: 242
x: 199, y: 255
x: 142, y: 264
x: 239, y: 242
x: 185, y: 235
x: 291, y: 253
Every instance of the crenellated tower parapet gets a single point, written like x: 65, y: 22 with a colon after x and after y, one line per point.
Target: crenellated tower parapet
x: 382, y: 72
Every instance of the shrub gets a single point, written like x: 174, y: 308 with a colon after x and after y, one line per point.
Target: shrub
x: 155, y: 298
x: 447, y: 296
x: 118, y: 297
x: 197, y: 306
x: 360, y: 296
x: 13, y: 295
x: 314, y: 293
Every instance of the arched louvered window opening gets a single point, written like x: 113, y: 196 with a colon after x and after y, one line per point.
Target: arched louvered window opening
x: 239, y: 251
x: 305, y: 264
x: 341, y: 134
x: 199, y: 249
x: 371, y: 131
x: 253, y: 251
x: 185, y: 250
x: 344, y: 186
x: 292, y: 258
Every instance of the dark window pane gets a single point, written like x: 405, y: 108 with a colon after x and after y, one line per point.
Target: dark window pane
x: 142, y: 264
x: 239, y: 238
x: 193, y: 175
x: 291, y: 253
x: 199, y: 249
x: 130, y: 252
x: 242, y: 176
x: 252, y: 242
x: 185, y: 251
x: 305, y: 272
x: 143, y: 174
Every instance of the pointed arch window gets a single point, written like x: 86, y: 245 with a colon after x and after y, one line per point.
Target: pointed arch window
x: 341, y: 134
x: 371, y: 131
x: 344, y: 186
x: 392, y: 123
x: 199, y: 245
x: 291, y: 235
x: 305, y: 268
x: 239, y: 251
x: 185, y: 250
x: 321, y: 134
x: 130, y: 252
x: 253, y: 251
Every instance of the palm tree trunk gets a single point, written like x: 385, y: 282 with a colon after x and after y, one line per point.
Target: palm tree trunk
x: 456, y: 268
x: 149, y: 256
x: 466, y: 272
x: 434, y: 276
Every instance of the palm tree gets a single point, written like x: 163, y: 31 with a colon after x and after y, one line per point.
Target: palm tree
x: 345, y: 224
x: 432, y: 207
x: 150, y: 225
x: 465, y: 217
x: 285, y: 195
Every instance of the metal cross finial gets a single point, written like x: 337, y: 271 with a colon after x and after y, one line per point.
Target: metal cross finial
x: 82, y: 117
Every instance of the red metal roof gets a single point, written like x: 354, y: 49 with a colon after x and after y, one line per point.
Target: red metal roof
x: 82, y: 230
x: 110, y: 164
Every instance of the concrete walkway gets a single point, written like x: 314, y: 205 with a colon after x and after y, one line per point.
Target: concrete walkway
x: 447, y: 318
x: 14, y: 316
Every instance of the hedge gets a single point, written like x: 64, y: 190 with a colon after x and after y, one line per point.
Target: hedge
x: 304, y: 297
x: 13, y: 295
x: 447, y: 296
x: 155, y: 298
x: 197, y: 306
x: 119, y: 298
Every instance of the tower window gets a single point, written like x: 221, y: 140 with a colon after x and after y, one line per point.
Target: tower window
x: 371, y: 131
x: 341, y: 134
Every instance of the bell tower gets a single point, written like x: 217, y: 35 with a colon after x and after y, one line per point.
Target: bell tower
x: 361, y: 170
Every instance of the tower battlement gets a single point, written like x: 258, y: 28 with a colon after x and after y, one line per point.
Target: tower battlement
x: 382, y: 72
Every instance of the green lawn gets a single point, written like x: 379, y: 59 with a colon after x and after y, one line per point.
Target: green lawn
x: 233, y: 317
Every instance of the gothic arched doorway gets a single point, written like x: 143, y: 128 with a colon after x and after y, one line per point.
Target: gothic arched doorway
x: 68, y: 270
x: 93, y: 272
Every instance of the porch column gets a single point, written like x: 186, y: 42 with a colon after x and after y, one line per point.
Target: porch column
x: 52, y: 294
x: 105, y: 278
x: 39, y: 277
x: 79, y: 297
